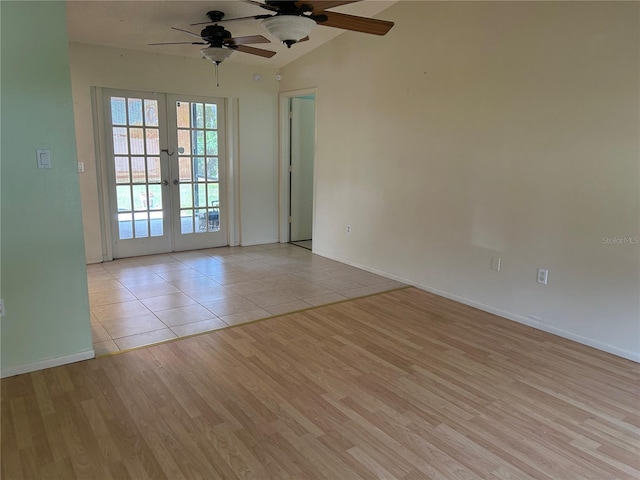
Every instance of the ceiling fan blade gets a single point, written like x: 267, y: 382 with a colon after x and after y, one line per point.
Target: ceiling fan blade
x: 252, y: 17
x: 356, y: 24
x: 179, y: 43
x: 254, y: 51
x: 322, y: 5
x: 187, y: 31
x: 247, y: 40
x: 263, y: 5
x: 303, y: 39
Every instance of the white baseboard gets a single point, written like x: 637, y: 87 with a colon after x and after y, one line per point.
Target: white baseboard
x: 258, y: 242
x: 51, y: 362
x: 633, y: 356
x: 605, y: 347
x: 363, y: 267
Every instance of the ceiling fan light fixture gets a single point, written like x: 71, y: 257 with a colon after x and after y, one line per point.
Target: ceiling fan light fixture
x: 216, y: 54
x: 289, y: 28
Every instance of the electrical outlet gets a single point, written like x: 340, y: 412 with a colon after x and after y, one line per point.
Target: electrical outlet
x: 495, y: 263
x: 1, y: 307
x: 543, y: 276
x: 348, y: 229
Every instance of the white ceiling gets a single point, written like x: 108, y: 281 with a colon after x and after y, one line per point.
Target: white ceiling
x: 134, y: 24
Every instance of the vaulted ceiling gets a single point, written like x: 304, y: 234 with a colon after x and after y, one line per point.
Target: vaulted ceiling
x: 135, y: 24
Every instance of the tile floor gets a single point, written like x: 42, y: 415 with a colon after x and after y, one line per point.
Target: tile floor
x: 145, y: 300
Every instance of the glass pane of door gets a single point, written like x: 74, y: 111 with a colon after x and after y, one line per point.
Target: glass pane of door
x: 198, y: 135
x: 136, y: 172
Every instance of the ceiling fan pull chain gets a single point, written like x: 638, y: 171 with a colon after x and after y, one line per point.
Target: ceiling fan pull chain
x: 217, y: 76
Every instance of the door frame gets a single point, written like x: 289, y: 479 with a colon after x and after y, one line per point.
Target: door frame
x: 103, y: 192
x: 285, y: 153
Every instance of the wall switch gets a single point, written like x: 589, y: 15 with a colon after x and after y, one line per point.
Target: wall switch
x: 81, y: 167
x: 348, y: 229
x: 543, y: 276
x: 1, y: 307
x: 495, y: 263
x: 44, y: 158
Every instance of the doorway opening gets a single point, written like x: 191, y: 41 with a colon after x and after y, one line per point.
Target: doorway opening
x: 298, y: 130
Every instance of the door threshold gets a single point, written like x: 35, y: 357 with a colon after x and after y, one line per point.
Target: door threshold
x: 307, y: 244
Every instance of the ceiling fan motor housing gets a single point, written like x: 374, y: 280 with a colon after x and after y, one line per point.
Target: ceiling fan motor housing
x: 289, y: 7
x: 215, y: 16
x: 215, y: 35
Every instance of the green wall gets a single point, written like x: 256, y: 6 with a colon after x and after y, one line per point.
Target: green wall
x: 43, y: 277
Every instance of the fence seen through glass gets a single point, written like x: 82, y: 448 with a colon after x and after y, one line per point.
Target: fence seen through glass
x: 198, y: 167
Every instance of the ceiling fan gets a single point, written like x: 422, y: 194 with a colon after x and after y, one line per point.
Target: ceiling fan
x: 293, y: 20
x: 220, y: 42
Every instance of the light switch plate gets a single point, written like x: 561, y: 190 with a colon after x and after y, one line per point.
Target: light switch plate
x: 44, y: 158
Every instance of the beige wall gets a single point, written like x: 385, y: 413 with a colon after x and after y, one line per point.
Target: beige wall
x: 480, y: 129
x: 94, y: 66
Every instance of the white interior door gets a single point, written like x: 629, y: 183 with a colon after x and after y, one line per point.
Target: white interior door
x: 166, y: 172
x: 301, y: 177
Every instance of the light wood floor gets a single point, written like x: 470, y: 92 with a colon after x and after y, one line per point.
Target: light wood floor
x: 398, y: 385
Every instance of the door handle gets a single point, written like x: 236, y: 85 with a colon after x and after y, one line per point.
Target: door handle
x: 175, y: 182
x: 165, y: 182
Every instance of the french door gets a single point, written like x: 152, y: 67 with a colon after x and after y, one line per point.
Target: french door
x: 166, y: 172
